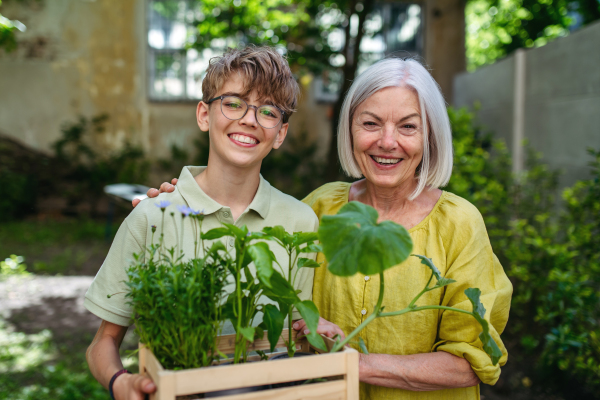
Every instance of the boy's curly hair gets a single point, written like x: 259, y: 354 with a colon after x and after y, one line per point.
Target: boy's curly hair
x: 264, y: 70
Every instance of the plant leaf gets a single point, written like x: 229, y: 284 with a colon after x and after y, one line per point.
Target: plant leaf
x: 263, y: 259
x: 239, y: 233
x: 248, y: 333
x: 216, y: 233
x: 489, y: 345
x: 362, y: 345
x: 312, y: 248
x: 277, y: 232
x: 354, y: 242
x: 300, y: 238
x: 273, y: 320
x: 281, y: 291
x: 307, y: 263
x: 310, y: 313
x: 440, y: 280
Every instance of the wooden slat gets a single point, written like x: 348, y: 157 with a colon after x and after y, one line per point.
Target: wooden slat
x: 166, y: 389
x: 142, y: 358
x: 227, y: 342
x: 351, y: 378
x: 334, y: 390
x: 262, y: 373
x: 152, y: 366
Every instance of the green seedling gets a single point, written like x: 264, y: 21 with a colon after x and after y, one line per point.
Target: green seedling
x: 353, y: 241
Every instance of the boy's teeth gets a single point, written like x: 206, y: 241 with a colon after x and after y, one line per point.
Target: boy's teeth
x: 381, y: 160
x: 244, y: 139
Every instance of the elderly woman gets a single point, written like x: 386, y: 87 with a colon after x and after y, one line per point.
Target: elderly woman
x: 395, y: 134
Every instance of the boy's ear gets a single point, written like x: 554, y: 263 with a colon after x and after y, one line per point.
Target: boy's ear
x: 281, y: 136
x: 202, y: 116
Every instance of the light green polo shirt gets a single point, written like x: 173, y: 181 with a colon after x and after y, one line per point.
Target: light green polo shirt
x: 270, y: 207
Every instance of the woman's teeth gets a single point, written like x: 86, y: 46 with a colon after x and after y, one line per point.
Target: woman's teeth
x: 382, y: 160
x: 244, y: 139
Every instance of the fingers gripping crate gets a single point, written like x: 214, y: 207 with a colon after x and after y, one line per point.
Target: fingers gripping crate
x: 340, y: 369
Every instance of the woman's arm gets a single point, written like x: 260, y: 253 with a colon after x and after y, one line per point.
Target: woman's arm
x: 104, y: 361
x: 417, y: 372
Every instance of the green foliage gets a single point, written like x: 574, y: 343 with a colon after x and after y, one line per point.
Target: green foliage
x: 496, y: 28
x: 550, y: 253
x: 389, y: 245
x: 88, y: 171
x: 13, y: 266
x: 7, y: 32
x: 177, y: 305
x: 354, y: 242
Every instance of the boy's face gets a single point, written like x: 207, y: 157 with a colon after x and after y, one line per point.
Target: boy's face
x: 243, y: 142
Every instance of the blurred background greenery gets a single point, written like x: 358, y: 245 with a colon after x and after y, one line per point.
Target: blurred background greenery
x: 53, y: 218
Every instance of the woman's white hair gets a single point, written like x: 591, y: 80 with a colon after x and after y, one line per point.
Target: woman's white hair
x: 436, y: 167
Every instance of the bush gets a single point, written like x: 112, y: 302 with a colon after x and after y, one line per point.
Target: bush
x: 550, y: 251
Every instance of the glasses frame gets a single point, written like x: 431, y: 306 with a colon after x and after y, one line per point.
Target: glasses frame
x: 248, y: 106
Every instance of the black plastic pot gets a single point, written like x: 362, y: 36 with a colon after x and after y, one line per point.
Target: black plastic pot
x: 286, y: 356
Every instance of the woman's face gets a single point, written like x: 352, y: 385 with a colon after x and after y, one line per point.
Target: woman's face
x: 387, y: 135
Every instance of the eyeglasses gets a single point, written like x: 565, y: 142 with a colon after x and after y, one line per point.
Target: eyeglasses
x: 234, y: 108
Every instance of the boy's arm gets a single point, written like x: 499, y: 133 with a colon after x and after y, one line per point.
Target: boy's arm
x: 104, y: 361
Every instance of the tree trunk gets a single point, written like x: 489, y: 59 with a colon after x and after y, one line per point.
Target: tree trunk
x: 351, y: 52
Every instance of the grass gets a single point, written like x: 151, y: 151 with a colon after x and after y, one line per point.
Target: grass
x: 66, y: 246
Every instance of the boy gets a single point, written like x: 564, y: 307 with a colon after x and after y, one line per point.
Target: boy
x: 248, y: 96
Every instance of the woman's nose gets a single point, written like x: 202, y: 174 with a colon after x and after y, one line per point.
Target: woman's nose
x: 388, y: 138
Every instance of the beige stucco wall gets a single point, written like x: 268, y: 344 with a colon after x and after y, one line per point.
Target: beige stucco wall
x: 84, y: 58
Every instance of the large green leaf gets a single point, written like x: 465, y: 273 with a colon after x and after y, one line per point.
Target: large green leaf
x: 277, y: 232
x: 441, y: 281
x: 239, y: 233
x: 281, y: 291
x: 489, y: 345
x: 354, y: 242
x: 312, y: 248
x: 263, y: 259
x: 273, y: 320
x: 310, y: 313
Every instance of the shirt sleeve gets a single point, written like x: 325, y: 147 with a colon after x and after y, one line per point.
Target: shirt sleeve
x: 305, y: 277
x: 472, y: 263
x: 111, y: 278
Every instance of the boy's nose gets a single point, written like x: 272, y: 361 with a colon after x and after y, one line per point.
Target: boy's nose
x: 250, y: 118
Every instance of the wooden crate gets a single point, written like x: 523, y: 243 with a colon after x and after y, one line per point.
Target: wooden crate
x: 340, y: 368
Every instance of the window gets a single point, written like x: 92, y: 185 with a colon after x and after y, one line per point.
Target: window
x: 175, y: 72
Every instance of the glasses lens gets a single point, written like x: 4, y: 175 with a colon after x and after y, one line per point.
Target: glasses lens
x: 233, y: 107
x: 268, y: 116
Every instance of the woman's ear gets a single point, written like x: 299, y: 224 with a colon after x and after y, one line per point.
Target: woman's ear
x: 280, y: 136
x: 202, y: 116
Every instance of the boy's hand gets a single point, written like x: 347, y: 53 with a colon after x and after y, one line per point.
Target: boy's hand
x: 132, y: 387
x: 325, y: 327
x: 165, y: 187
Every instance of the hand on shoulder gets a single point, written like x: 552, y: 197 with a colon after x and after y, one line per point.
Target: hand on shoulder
x: 166, y: 187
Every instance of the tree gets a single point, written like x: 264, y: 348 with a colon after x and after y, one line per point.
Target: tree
x: 316, y: 36
x: 496, y: 28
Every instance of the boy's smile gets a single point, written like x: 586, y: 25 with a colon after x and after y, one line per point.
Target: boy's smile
x: 242, y: 143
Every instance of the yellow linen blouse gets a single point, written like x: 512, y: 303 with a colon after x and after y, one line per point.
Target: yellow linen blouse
x: 455, y: 237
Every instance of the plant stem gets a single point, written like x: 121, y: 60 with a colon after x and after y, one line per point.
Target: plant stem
x: 425, y: 289
x: 238, y: 290
x: 407, y: 309
x: 375, y: 314
x: 291, y: 347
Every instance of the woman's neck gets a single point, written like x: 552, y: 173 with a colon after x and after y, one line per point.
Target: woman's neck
x: 229, y: 185
x: 393, y: 203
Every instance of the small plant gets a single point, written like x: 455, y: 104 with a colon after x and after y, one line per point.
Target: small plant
x: 177, y: 303
x: 14, y: 265
x: 354, y: 242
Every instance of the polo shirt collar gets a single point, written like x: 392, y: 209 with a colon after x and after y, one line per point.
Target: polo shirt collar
x: 198, y: 200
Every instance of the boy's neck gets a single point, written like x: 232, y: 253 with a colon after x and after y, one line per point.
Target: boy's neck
x: 230, y: 186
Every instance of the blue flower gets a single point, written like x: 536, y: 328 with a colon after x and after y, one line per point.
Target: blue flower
x: 194, y: 212
x: 185, y: 210
x: 163, y: 204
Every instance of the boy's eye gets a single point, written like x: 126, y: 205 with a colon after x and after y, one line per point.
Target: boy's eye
x: 234, y: 105
x: 268, y: 112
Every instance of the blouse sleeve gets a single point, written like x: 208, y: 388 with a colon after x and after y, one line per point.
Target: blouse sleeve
x: 472, y: 264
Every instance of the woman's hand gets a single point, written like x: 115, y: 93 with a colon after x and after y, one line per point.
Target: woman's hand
x: 325, y: 327
x: 165, y: 187
x: 132, y: 387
